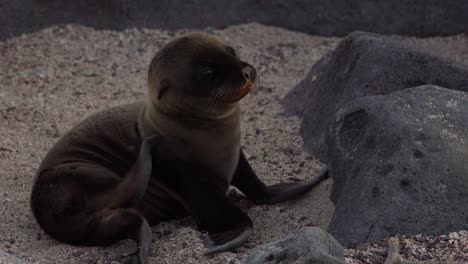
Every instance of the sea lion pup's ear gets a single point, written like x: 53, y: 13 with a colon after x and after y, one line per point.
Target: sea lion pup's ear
x: 163, y: 88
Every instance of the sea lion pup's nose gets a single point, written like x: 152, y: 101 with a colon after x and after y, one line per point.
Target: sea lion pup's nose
x: 249, y: 73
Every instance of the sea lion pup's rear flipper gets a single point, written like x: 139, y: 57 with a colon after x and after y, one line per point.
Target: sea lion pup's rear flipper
x: 129, y: 193
x: 248, y: 183
x: 224, y: 226
x: 133, y: 187
x: 111, y: 225
x: 85, y: 204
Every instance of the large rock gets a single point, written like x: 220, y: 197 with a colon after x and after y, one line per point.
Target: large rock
x: 330, y: 18
x: 400, y: 165
x: 309, y: 245
x: 363, y: 64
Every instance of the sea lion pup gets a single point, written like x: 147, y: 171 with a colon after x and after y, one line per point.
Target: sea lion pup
x: 129, y: 167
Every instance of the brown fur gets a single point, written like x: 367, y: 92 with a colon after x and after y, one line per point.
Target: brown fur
x: 175, y: 154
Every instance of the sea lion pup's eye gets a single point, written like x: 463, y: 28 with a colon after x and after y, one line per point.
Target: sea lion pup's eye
x: 206, y: 72
x: 231, y: 51
x: 163, y: 89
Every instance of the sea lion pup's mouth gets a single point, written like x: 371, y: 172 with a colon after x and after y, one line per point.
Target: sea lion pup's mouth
x: 238, y: 94
x: 238, y: 87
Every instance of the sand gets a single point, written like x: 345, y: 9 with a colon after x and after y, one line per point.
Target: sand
x: 52, y: 79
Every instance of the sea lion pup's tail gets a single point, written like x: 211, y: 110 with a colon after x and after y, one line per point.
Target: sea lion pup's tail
x: 81, y: 204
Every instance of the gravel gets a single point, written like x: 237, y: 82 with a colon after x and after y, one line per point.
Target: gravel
x: 450, y: 248
x: 52, y: 79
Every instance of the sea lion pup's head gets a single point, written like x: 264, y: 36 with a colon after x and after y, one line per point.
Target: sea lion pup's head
x: 198, y: 75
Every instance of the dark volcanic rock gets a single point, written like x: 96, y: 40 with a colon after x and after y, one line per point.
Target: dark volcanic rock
x: 400, y: 165
x: 308, y: 245
x: 329, y: 18
x: 363, y: 64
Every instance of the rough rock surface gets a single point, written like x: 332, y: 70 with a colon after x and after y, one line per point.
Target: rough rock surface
x: 328, y: 18
x: 308, y: 245
x: 363, y: 64
x: 400, y: 165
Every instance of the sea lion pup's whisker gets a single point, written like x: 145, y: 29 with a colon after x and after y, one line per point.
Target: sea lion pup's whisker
x: 216, y: 100
x: 221, y: 97
x: 218, y: 96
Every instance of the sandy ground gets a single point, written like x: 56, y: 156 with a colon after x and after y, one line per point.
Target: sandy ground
x: 50, y: 80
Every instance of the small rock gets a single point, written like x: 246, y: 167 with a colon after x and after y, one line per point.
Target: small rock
x: 454, y: 235
x: 465, y: 249
x: 250, y: 245
x: 8, y: 258
x: 308, y: 245
x: 240, y: 250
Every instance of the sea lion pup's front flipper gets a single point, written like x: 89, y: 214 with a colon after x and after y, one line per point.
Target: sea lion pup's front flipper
x: 248, y: 183
x: 224, y: 226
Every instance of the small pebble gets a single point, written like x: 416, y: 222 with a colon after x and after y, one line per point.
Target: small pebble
x: 250, y: 244
x: 454, y: 235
